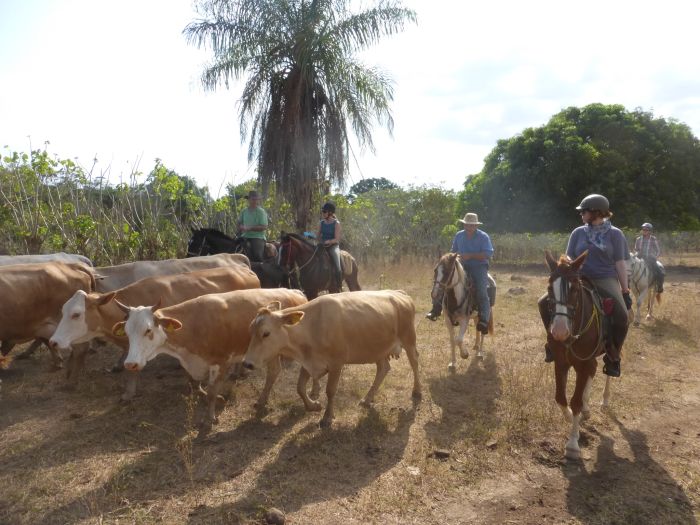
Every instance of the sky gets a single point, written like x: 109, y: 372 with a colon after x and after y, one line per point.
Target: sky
x: 116, y: 81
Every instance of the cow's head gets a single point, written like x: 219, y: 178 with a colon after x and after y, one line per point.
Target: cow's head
x: 79, y: 319
x: 268, y: 333
x: 147, y: 331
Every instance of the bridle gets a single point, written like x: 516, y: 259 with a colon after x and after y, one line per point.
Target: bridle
x: 566, y: 281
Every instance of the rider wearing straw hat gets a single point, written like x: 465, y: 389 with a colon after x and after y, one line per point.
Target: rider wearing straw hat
x: 475, y: 249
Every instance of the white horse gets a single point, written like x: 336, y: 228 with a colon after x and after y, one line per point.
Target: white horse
x: 459, y: 305
x: 640, y: 281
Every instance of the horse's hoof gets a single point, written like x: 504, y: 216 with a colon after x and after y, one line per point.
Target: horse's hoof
x: 366, y: 404
x: 585, y: 414
x: 636, y: 323
x: 480, y: 355
x: 325, y: 423
x: 452, y: 368
x: 417, y: 394
x: 464, y: 354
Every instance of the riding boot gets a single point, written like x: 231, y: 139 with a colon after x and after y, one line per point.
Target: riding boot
x: 435, y: 312
x: 613, y: 350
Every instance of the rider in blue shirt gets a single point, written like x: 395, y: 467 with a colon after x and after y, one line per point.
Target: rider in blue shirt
x: 475, y: 249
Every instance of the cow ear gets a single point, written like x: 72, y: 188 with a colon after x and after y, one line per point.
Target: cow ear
x: 118, y: 329
x: 168, y: 323
x: 551, y: 261
x: 106, y: 298
x: 274, y: 306
x: 293, y: 318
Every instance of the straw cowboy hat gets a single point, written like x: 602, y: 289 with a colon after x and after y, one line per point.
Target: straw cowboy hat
x: 252, y: 194
x: 470, y: 218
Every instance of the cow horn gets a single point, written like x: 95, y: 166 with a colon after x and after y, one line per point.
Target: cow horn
x: 157, y: 305
x: 122, y: 307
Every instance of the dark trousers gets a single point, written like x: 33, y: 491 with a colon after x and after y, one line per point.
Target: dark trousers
x: 255, y: 249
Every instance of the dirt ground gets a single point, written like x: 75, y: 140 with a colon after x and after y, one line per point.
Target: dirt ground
x: 485, y: 445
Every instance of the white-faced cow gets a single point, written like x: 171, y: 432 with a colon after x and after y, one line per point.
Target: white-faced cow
x: 207, y: 335
x: 86, y: 316
x: 357, y: 327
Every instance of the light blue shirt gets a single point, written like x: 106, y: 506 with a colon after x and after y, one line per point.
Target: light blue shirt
x: 479, y: 243
x: 599, y: 264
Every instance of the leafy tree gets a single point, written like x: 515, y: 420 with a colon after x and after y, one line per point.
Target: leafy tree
x: 304, y: 86
x: 366, y: 185
x: 646, y: 166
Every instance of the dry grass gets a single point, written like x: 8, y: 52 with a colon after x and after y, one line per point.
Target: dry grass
x: 81, y: 457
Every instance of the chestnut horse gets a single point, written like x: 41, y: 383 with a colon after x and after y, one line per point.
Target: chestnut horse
x: 313, y: 265
x: 459, y: 305
x: 575, y: 336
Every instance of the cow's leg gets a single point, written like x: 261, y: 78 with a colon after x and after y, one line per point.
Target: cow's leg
x: 309, y: 404
x: 331, y: 388
x: 29, y: 351
x: 452, y: 367
x: 76, y: 362
x: 217, y: 377
x: 412, y: 354
x: 273, y: 370
x: 383, y: 367
x: 315, y: 388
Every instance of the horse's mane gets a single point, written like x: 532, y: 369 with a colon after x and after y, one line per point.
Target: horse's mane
x: 215, y: 233
x: 301, y: 238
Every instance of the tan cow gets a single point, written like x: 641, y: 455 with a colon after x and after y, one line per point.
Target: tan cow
x: 32, y: 298
x: 357, y: 327
x: 207, y: 335
x: 112, y: 278
x: 86, y: 316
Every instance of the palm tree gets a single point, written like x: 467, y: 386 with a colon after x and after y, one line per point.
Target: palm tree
x: 304, y: 86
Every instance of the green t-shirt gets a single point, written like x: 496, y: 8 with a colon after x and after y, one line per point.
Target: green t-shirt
x: 255, y: 217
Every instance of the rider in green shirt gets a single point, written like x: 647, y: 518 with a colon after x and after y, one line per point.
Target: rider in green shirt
x: 252, y: 223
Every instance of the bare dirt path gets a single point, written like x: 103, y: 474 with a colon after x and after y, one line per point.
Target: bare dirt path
x: 484, y: 446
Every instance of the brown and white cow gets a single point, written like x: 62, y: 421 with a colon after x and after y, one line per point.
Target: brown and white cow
x: 32, y: 298
x: 86, y: 316
x: 112, y: 278
x: 357, y: 327
x: 207, y: 335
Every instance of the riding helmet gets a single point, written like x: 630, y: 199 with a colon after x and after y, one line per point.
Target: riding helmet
x: 594, y: 202
x: 329, y: 207
x: 647, y: 225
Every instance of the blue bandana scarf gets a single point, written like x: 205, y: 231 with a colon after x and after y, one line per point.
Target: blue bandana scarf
x: 596, y: 234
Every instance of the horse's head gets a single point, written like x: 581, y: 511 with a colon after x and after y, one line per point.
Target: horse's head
x: 564, y: 293
x: 292, y: 250
x: 448, y: 273
x: 198, y: 244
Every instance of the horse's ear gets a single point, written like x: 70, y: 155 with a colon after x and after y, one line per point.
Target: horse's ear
x: 551, y: 261
x: 576, y: 263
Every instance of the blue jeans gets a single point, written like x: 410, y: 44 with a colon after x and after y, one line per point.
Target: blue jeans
x: 479, y: 274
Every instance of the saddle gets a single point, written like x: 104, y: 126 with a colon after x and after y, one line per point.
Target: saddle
x: 490, y: 290
x: 605, y: 307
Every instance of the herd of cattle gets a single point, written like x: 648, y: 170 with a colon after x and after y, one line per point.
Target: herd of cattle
x: 208, y: 312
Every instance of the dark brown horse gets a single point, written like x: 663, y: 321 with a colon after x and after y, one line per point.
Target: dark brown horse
x: 575, y: 336
x: 313, y: 266
x: 209, y: 241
